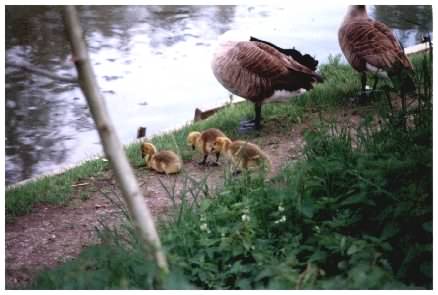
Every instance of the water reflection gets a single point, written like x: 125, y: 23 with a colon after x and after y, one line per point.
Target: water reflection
x: 410, y: 22
x: 152, y: 64
x: 33, y: 112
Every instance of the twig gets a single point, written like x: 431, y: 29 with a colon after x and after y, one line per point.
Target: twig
x: 33, y: 69
x: 80, y: 184
x: 112, y: 146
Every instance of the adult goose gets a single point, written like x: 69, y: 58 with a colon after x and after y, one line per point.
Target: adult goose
x: 370, y: 46
x: 257, y: 72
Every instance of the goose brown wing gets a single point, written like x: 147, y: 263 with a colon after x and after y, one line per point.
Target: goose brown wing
x: 371, y: 42
x: 396, y: 49
x: 261, y: 59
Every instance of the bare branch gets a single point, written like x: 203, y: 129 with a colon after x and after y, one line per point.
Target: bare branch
x: 30, y: 68
x: 112, y: 146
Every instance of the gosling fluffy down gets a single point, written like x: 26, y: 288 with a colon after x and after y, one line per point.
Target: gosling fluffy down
x: 163, y: 161
x: 203, y: 142
x: 243, y: 154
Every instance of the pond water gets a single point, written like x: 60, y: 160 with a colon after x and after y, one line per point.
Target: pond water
x: 152, y: 65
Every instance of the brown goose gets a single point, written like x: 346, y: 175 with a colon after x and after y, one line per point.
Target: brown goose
x: 257, y: 72
x: 370, y: 46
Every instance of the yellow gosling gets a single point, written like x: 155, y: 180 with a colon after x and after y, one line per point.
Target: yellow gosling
x: 243, y: 155
x: 163, y: 161
x: 203, y: 142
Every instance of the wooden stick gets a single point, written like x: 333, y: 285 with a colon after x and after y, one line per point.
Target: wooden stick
x: 141, y: 132
x: 138, y: 210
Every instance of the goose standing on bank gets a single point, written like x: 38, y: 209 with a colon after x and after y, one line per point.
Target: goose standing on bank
x: 258, y: 72
x: 370, y: 46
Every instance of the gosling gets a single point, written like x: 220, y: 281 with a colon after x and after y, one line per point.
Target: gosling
x: 163, y: 162
x: 243, y: 155
x: 203, y: 142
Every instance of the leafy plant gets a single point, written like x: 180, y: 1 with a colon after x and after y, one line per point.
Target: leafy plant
x: 355, y: 213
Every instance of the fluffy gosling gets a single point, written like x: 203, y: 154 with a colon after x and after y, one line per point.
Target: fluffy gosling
x: 243, y: 155
x: 203, y: 142
x: 163, y: 162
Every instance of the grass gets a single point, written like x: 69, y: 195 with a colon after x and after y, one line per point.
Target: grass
x: 49, y: 189
x: 345, y: 217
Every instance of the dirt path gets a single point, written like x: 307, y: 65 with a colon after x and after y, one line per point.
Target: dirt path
x: 50, y: 234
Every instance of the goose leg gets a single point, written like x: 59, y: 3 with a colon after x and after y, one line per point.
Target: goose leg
x: 363, y: 80
x: 363, y: 94
x: 250, y: 125
x: 375, y: 83
x: 204, y: 161
x: 258, y: 116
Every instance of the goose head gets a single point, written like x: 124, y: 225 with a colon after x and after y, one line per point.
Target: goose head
x: 356, y: 11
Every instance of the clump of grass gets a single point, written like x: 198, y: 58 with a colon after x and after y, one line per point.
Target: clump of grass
x: 340, y: 83
x: 50, y: 189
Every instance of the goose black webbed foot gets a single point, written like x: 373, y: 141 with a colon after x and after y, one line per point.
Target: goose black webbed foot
x: 236, y: 173
x: 248, y: 126
x: 364, y: 97
x: 214, y: 164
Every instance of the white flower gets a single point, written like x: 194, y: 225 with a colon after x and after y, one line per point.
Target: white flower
x: 280, y: 208
x: 281, y: 220
x: 245, y: 218
x: 204, y: 227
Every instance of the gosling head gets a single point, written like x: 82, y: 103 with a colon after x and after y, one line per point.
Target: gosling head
x: 147, y: 149
x: 192, y: 138
x: 220, y: 144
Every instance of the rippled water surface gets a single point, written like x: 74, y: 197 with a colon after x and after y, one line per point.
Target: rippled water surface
x: 152, y: 64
